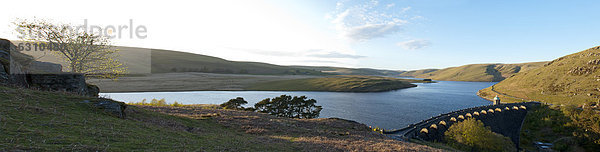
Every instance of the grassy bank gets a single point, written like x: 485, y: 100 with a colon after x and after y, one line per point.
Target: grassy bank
x: 338, y: 84
x: 47, y: 121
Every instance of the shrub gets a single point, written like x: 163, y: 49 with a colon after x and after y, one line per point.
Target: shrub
x: 472, y: 135
x: 234, y: 103
x: 286, y: 106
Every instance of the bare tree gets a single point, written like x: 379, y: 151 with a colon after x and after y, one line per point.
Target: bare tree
x: 84, y: 52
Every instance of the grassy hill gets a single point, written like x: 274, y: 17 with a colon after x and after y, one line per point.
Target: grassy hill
x: 351, y: 71
x: 49, y: 121
x: 475, y: 72
x: 415, y: 73
x: 164, y: 61
x: 337, y: 84
x: 572, y: 79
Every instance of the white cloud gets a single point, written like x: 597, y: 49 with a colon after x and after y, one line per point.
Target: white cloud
x: 366, y: 21
x: 371, y: 31
x: 415, y: 44
x: 336, y: 55
x: 390, y: 5
x: 404, y: 10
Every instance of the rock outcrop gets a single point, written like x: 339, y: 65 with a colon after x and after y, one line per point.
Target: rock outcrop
x: 114, y: 108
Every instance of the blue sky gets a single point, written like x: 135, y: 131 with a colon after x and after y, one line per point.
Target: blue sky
x: 398, y: 35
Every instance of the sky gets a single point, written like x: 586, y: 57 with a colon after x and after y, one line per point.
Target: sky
x: 393, y: 34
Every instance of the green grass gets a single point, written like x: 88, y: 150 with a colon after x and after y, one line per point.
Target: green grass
x: 46, y: 121
x: 475, y: 72
x: 556, y: 82
x: 337, y: 84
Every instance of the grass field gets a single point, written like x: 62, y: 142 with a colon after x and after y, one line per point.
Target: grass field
x: 338, y: 84
x: 49, y: 121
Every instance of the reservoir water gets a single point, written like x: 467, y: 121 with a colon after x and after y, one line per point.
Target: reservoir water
x: 389, y: 110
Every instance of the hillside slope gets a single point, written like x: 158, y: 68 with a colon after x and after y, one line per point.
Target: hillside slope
x: 48, y: 121
x: 172, y: 61
x: 572, y: 79
x: 475, y: 72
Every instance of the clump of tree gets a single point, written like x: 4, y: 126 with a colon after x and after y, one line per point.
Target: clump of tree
x: 291, y: 107
x: 234, y: 103
x: 84, y: 52
x: 472, y: 135
x: 282, y: 106
x: 155, y: 102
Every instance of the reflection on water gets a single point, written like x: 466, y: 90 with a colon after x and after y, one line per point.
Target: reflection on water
x: 390, y: 110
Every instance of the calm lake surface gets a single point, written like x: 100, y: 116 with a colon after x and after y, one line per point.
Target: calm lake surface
x: 390, y: 110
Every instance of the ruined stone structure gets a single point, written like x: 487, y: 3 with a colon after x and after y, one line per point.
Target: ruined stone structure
x: 21, y: 70
x: 504, y: 119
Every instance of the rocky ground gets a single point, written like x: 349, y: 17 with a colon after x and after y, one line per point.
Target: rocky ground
x: 323, y: 134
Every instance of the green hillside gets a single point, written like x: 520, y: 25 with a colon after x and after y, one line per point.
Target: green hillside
x: 572, y: 79
x: 475, y: 72
x: 338, y: 84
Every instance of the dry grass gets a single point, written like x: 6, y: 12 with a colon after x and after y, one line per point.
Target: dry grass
x: 323, y: 134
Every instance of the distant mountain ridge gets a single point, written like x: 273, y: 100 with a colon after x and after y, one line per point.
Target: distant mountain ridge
x: 165, y: 61
x: 352, y: 71
x: 168, y: 61
x: 474, y: 72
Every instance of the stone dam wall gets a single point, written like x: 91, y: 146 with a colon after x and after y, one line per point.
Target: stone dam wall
x: 504, y: 119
